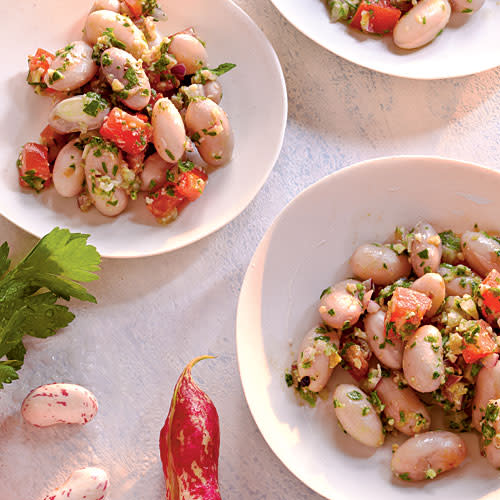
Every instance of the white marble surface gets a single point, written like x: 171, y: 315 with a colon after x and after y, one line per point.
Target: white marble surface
x: 155, y: 314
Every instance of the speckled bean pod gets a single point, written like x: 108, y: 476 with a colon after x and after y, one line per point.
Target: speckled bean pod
x: 90, y: 483
x: 59, y: 404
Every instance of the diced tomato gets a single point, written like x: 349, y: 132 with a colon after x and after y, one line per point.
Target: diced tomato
x: 164, y: 202
x: 375, y: 16
x: 192, y: 184
x: 127, y: 131
x: 41, y: 59
x: 135, y: 7
x: 53, y: 140
x: 405, y: 312
x: 33, y: 167
x: 490, y: 292
x: 478, y: 342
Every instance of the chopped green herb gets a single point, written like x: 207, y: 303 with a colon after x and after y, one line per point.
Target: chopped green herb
x: 325, y: 292
x: 424, y: 254
x: 223, y: 68
x: 93, y: 103
x: 169, y: 154
x: 355, y: 395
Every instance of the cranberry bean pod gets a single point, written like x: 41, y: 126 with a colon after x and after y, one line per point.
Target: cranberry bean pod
x: 426, y: 455
x: 188, y: 50
x: 318, y: 357
x: 340, y: 306
x: 123, y: 29
x: 69, y: 116
x: 209, y: 123
x: 481, y: 252
x: 403, y: 405
x: 72, y: 68
x: 127, y: 77
x: 487, y: 388
x: 59, y: 404
x: 379, y: 263
x: 389, y: 354
x: 68, y: 174
x: 423, y: 365
x: 432, y: 285
x: 421, y: 24
x: 169, y: 134
x: 90, y: 483
x: 425, y: 247
x: 357, y: 415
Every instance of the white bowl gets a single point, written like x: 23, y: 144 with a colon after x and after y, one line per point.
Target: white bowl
x: 468, y: 45
x: 306, y: 249
x: 254, y: 98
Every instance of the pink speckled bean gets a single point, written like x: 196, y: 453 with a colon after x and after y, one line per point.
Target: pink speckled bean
x: 59, y: 404
x: 90, y: 483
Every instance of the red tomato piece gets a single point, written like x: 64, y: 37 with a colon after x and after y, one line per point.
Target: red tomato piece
x: 41, y: 59
x: 375, y: 16
x: 135, y: 7
x: 405, y: 312
x: 164, y: 202
x: 478, y: 342
x: 53, y: 140
x: 192, y: 184
x: 127, y: 131
x: 490, y: 292
x: 33, y: 167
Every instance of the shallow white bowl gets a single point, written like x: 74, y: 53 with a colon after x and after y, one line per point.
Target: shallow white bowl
x: 307, y: 249
x: 468, y: 45
x: 258, y: 118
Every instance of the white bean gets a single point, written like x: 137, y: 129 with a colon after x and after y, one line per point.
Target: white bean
x: 213, y: 90
x: 340, y: 305
x: 69, y: 115
x: 422, y: 23
x: 192, y: 154
x: 318, y: 357
x: 466, y: 6
x: 432, y: 285
x: 487, y: 388
x: 403, y: 405
x: 127, y: 77
x: 59, y: 404
x: 69, y: 174
x: 357, y: 415
x: 188, y: 50
x: 425, y: 246
x: 123, y: 29
x: 169, y: 134
x: 423, y: 359
x: 389, y: 354
x: 209, y: 122
x: 72, y: 68
x: 481, y: 252
x: 459, y: 280
x: 490, y: 425
x: 379, y: 263
x: 426, y: 455
x: 90, y: 483
x: 154, y: 173
x: 112, y: 5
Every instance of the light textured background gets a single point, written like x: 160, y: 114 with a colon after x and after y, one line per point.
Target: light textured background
x: 155, y: 314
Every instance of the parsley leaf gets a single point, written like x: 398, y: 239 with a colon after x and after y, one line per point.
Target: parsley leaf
x: 223, y: 68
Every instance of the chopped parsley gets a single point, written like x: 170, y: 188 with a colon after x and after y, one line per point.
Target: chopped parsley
x: 355, y: 395
x: 169, y: 154
x: 326, y: 291
x: 223, y: 68
x: 424, y: 254
x: 450, y: 239
x: 93, y: 104
x: 185, y: 166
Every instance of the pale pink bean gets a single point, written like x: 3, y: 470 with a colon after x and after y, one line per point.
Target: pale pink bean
x: 68, y: 174
x: 481, y: 252
x: 357, y: 415
x: 340, y: 305
x: 207, y: 121
x: 425, y: 246
x: 169, y: 134
x: 389, y: 354
x: 379, y: 263
x: 213, y: 90
x: 426, y: 455
x: 192, y: 154
x: 59, y: 404
x: 432, y: 285
x: 318, y: 357
x: 423, y: 365
x: 491, y: 422
x: 188, y: 50
x: 112, y: 5
x: 466, y: 6
x: 90, y: 483
x: 154, y: 174
x: 487, y: 388
x: 403, y: 405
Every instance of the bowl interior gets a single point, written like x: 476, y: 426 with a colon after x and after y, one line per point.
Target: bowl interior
x: 258, y: 120
x: 307, y: 249
x: 466, y: 46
